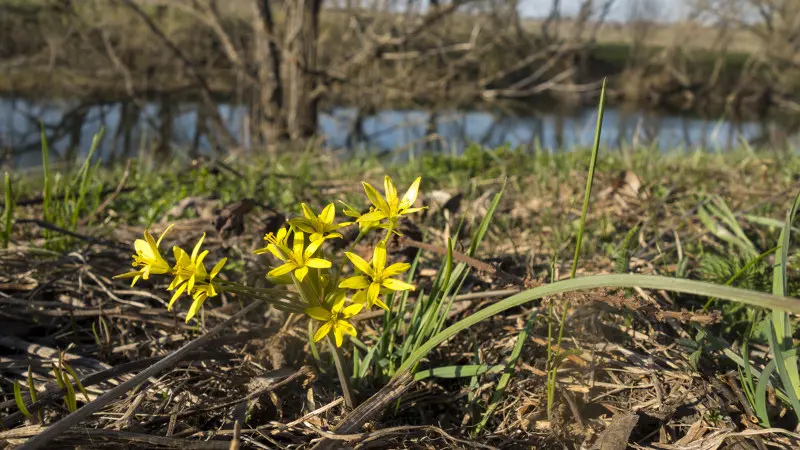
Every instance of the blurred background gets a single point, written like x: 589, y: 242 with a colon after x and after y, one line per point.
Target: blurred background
x: 170, y: 78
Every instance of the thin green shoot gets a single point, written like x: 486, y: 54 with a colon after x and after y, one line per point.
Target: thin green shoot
x: 553, y: 369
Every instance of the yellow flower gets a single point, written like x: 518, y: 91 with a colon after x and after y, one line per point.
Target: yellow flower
x: 390, y: 208
x: 204, y: 290
x: 148, y: 257
x: 378, y: 276
x: 319, y: 226
x: 188, y: 270
x: 335, y: 320
x: 277, y: 244
x: 363, y: 226
x: 297, y: 258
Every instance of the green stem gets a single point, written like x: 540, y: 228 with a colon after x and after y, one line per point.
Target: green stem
x: 338, y: 360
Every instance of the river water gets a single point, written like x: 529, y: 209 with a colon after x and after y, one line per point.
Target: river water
x: 131, y: 130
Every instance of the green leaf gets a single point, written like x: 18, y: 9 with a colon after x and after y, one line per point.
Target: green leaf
x: 20, y: 402
x: 465, y: 371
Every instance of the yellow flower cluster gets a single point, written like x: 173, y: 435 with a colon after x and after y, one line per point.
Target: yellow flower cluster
x: 300, y: 248
x: 307, y: 267
x: 191, y: 276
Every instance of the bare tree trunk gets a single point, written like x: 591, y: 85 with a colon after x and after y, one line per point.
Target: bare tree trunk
x: 269, y: 119
x: 299, y: 63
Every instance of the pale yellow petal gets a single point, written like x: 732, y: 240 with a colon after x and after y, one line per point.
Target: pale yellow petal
x: 327, y: 215
x: 373, y: 291
x: 411, y: 194
x: 318, y: 313
x: 196, y: 305
x: 373, y: 216
x: 379, y: 258
x: 175, y: 296
x: 359, y: 263
x: 357, y: 282
x: 375, y: 197
x: 307, y: 212
x: 337, y: 334
x: 397, y: 285
x: 196, y: 249
x: 346, y: 327
x: 299, y: 243
x: 218, y: 267
x: 379, y: 303
x: 323, y: 331
x: 396, y: 269
x: 301, y: 273
x: 158, y: 242
x: 352, y: 309
x: 318, y: 263
x: 283, y: 269
x: 389, y: 190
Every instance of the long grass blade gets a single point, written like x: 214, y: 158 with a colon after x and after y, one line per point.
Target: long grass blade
x: 753, y: 298
x: 788, y: 369
x: 465, y: 371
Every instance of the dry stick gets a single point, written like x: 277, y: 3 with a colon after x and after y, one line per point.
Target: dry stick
x: 89, y: 239
x: 460, y: 257
x: 170, y: 360
x: 367, y: 410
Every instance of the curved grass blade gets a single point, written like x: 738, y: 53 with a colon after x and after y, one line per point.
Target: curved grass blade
x: 753, y: 298
x: 20, y: 402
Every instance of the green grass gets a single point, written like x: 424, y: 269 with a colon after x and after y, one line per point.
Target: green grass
x: 724, y: 207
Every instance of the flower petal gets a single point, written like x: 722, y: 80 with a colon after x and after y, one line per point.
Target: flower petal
x: 196, y: 305
x: 312, y: 247
x: 351, y: 310
x: 144, y: 249
x: 283, y: 269
x: 375, y: 197
x: 373, y: 291
x: 176, y: 295
x: 218, y: 267
x: 158, y: 242
x: 299, y: 243
x: 323, y: 331
x: 307, y: 212
x: 379, y: 303
x: 359, y: 263
x: 318, y: 263
x: 128, y: 274
x: 373, y: 216
x: 397, y: 285
x: 389, y: 190
x: 328, y: 213
x: 337, y: 334
x: 411, y: 194
x: 318, y: 313
x: 357, y: 282
x: 411, y: 210
x: 379, y: 258
x: 346, y: 327
x: 395, y: 269
x: 360, y: 297
x: 301, y: 273
x: 196, y: 248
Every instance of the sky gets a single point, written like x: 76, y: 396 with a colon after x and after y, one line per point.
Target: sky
x: 668, y: 9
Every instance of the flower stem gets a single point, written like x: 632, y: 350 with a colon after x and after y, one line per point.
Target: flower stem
x: 338, y: 359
